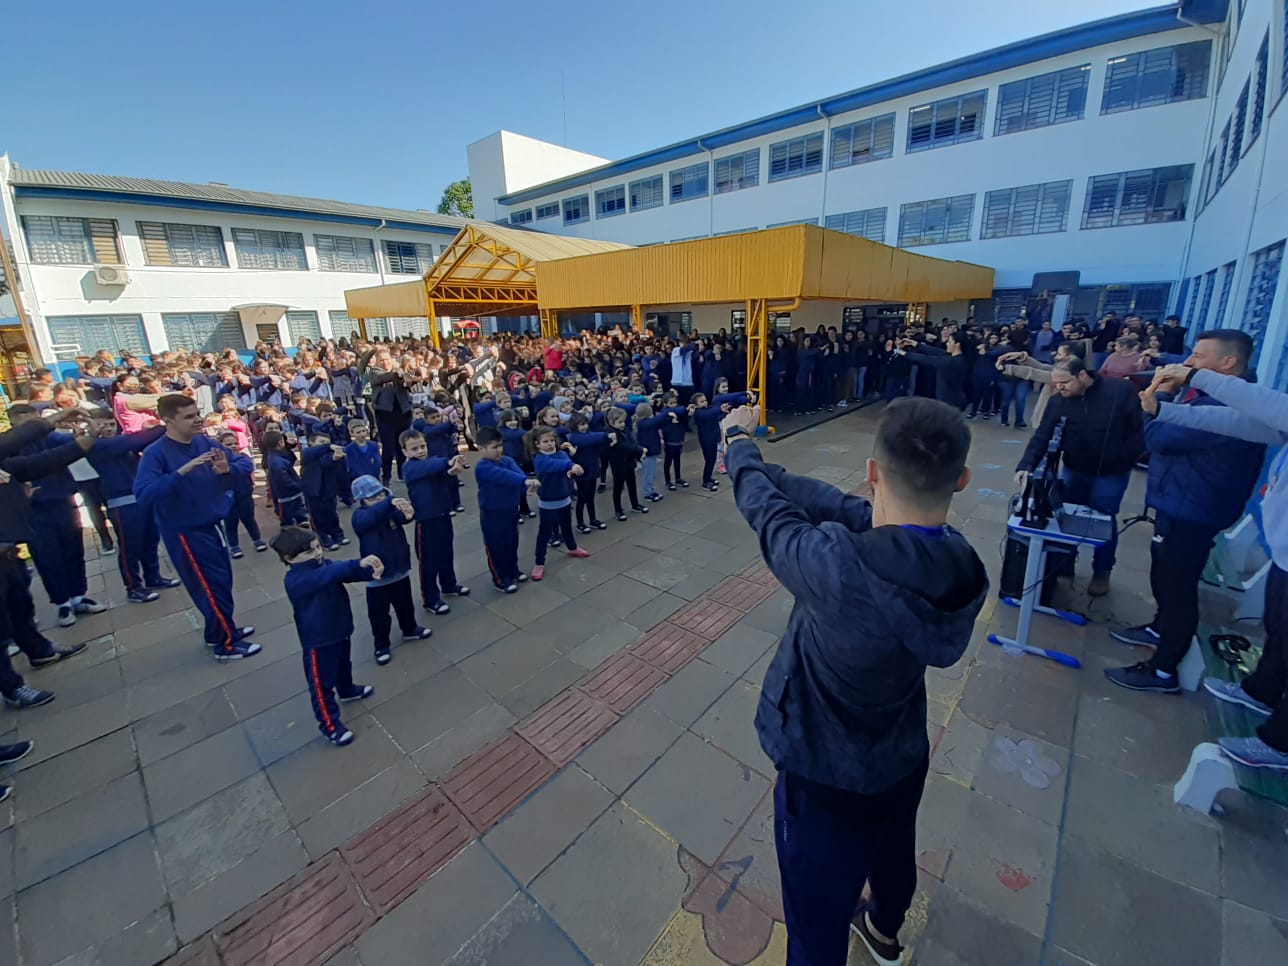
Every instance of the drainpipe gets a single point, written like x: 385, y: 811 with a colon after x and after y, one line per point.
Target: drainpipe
x: 827, y: 140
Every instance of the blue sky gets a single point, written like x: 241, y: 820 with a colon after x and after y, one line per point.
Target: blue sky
x: 375, y: 102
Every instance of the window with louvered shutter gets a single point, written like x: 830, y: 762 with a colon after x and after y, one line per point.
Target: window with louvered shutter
x: 116, y: 333
x: 646, y: 193
x: 738, y: 171
x: 1181, y: 296
x: 548, y: 211
x: 953, y: 120
x: 796, y: 157
x: 936, y: 222
x: 187, y: 246
x: 1258, y: 105
x: 1262, y: 284
x: 303, y: 325
x: 523, y: 217
x: 71, y: 241
x: 1205, y: 304
x: 1149, y: 196
x: 576, y: 210
x: 1042, y: 100
x: 1029, y: 210
x: 868, y: 223
x: 1227, y: 282
x: 1223, y: 155
x: 1236, y: 129
x: 863, y: 141
x: 610, y: 202
x: 409, y: 258
x: 689, y: 182
x: 1164, y: 75
x: 263, y: 249
x: 203, y: 331
x: 343, y: 253
x: 1206, y: 185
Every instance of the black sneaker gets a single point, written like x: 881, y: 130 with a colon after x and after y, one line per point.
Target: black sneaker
x: 11, y: 753
x: 522, y: 578
x: 142, y: 596
x: 598, y: 525
x: 460, y: 590
x: 237, y: 651
x: 236, y: 553
x: 522, y: 519
x: 169, y: 583
x: 1142, y: 636
x: 554, y: 542
x: 887, y: 954
x: 419, y: 634
x: 582, y: 528
x: 671, y: 487
x: 1142, y: 677
x: 359, y: 692
x: 640, y: 509
x: 5, y: 792
x: 655, y: 498
x: 1021, y: 425
x: 58, y: 654
x: 709, y: 487
x: 621, y: 517
x: 507, y: 588
x: 439, y: 608
x: 601, y: 488
x: 383, y: 656
x: 260, y: 547
x: 66, y: 615
x: 683, y: 483
x: 25, y: 696
x: 340, y: 737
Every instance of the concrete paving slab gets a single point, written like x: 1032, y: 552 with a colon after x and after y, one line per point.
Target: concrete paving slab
x: 595, y: 650
x: 195, y: 773
x: 739, y: 648
x: 551, y: 680
x: 629, y: 748
x: 280, y: 730
x: 518, y: 935
x: 750, y: 863
x: 361, y: 807
x: 961, y: 933
x: 186, y: 723
x: 55, y: 732
x: 991, y: 698
x: 149, y: 940
x: 268, y: 686
x: 690, y: 692
x: 723, y: 793
x: 466, y: 633
x: 1251, y: 936
x: 612, y: 918
x: 1254, y: 854
x: 730, y: 725
x: 507, y: 663
x: 1139, y: 734
x: 447, y: 750
x: 616, y: 598
x: 1024, y: 772
x: 419, y: 715
x: 532, y: 601
x: 57, y: 780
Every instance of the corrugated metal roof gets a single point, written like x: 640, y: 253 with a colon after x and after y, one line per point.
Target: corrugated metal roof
x: 223, y: 194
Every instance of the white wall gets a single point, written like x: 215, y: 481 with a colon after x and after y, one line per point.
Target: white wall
x: 505, y: 162
x: 1151, y: 137
x: 54, y: 290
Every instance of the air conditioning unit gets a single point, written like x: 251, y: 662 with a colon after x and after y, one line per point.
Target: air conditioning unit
x: 111, y: 275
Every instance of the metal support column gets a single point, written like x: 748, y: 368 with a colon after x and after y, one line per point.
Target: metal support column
x: 637, y: 320
x: 549, y: 324
x: 758, y: 352
x: 433, y: 324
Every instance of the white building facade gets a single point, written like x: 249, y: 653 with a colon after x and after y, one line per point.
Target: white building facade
x: 128, y: 264
x: 1072, y: 163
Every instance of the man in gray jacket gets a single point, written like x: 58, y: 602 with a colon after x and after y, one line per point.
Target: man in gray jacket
x: 1258, y: 415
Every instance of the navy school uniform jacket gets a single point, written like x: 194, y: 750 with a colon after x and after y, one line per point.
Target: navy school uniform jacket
x: 338, y: 431
x: 707, y: 420
x: 844, y: 699
x: 58, y: 486
x: 322, y: 612
x: 649, y: 433
x: 590, y: 450
x: 319, y: 480
x: 116, y: 460
x: 552, y: 471
x: 283, y: 480
x: 512, y: 444
x: 485, y: 413
x: 673, y: 430
x: 540, y: 401
x: 200, y: 499
x: 379, y: 529
x: 363, y: 460
x: 431, y: 489
x: 501, y: 483
x: 440, y: 440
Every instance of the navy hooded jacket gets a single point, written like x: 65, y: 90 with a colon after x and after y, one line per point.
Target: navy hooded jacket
x: 322, y: 612
x: 844, y: 699
x: 379, y: 529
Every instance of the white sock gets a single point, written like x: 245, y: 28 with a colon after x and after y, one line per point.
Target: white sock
x: 76, y: 600
x: 1163, y: 674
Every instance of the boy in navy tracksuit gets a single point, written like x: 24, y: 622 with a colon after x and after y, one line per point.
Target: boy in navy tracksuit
x: 318, y: 483
x: 242, y: 486
x: 116, y: 459
x: 183, y: 480
x: 512, y: 445
x: 555, y: 469
x: 588, y: 454
x: 501, y: 483
x: 485, y: 411
x: 378, y: 522
x: 440, y: 440
x: 336, y: 425
x: 673, y: 430
x: 324, y: 621
x: 432, y: 489
x: 361, y: 453
x: 283, y: 481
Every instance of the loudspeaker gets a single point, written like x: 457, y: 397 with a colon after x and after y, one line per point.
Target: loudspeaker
x: 1059, y: 563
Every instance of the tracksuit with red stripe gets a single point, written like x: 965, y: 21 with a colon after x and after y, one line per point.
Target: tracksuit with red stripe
x: 433, y: 493
x: 501, y: 484
x: 189, y: 510
x: 324, y: 621
x: 379, y: 528
x: 116, y: 459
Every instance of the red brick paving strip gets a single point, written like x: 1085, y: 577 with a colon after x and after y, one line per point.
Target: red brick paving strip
x: 406, y: 847
x: 200, y: 953
x: 705, y: 618
x: 739, y: 593
x: 301, y: 922
x: 669, y: 647
x: 566, y: 724
x: 760, y: 573
x: 622, y: 682
x: 489, y: 783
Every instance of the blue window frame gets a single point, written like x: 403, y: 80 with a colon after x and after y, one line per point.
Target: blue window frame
x: 303, y: 325
x: 1262, y: 284
x: 796, y: 157
x: 548, y: 211
x: 936, y: 222
x: 86, y: 334
x: 576, y: 210
x: 953, y: 120
x: 1035, y: 209
x: 203, y: 331
x: 1181, y: 295
x: 863, y: 141
x: 738, y: 171
x: 523, y: 217
x: 1145, y: 197
x: 610, y: 202
x: 1259, y: 73
x: 53, y: 240
x: 409, y: 258
x: 1164, y: 75
x: 1042, y: 100
x: 646, y: 193
x: 1205, y: 304
x: 869, y: 223
x: 1237, y: 122
x: 690, y: 182
x: 189, y: 246
x: 1227, y: 283
x: 263, y: 249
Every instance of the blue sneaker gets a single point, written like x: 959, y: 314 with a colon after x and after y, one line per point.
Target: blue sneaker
x: 1142, y: 677
x: 237, y: 651
x: 1233, y: 693
x: 1254, y: 753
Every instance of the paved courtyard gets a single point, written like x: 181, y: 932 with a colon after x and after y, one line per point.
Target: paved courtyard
x: 570, y: 775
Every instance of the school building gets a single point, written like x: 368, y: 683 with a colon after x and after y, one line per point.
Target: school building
x: 1137, y: 163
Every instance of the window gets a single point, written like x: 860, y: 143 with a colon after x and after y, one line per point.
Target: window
x: 343, y: 253
x: 737, y: 320
x: 1007, y: 304
x: 794, y: 221
x: 1261, y: 292
x: 1039, y: 101
x: 610, y: 201
x: 797, y: 157
x: 1181, y: 296
x: 950, y: 121
x: 192, y: 246
x: 1205, y: 187
x: 72, y: 241
x: 1259, y: 91
x: 257, y: 248
x: 738, y: 171
x: 1227, y: 282
x: 1137, y: 197
x: 690, y: 182
x: 86, y: 334
x: 203, y: 331
x: 1222, y: 158
x: 865, y: 141
x: 523, y: 217
x: 303, y: 325
x: 869, y: 223
x: 1194, y: 288
x: 646, y: 193
x: 936, y: 222
x: 734, y: 231
x: 1236, y: 130
x: 1164, y: 75
x: 342, y: 325
x: 1205, y: 305
x: 548, y: 211
x: 576, y: 210
x: 1035, y: 209
x: 409, y: 258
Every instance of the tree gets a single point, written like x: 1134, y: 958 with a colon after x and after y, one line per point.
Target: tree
x: 458, y: 200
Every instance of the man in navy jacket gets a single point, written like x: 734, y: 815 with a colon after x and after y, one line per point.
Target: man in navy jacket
x: 883, y: 589
x: 1199, y: 485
